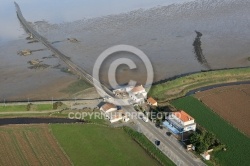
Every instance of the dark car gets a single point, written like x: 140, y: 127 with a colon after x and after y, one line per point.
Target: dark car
x: 157, y: 142
x: 168, y: 133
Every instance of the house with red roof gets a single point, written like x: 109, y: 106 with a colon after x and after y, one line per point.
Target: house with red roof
x: 138, y: 94
x: 180, y: 122
x: 151, y: 101
x: 108, y: 107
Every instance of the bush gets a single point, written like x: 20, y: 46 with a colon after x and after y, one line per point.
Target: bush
x: 31, y: 107
x: 58, y: 105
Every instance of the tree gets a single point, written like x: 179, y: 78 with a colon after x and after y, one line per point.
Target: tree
x: 195, y: 139
x: 209, y: 138
x: 157, y: 123
x: 202, y: 147
x: 202, y: 141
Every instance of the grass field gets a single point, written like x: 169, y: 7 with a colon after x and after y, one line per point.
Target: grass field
x: 13, y: 108
x: 99, y: 145
x: 146, y: 144
x: 22, y: 108
x: 43, y: 107
x: 29, y: 145
x: 77, y: 86
x: 180, y: 86
x: 238, y: 145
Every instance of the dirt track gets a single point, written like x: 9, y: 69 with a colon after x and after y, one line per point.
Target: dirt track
x: 231, y: 103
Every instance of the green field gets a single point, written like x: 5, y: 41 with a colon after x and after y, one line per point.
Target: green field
x: 13, y: 108
x: 44, y: 107
x: 238, y: 145
x: 146, y: 144
x: 22, y: 108
x: 180, y: 86
x: 77, y: 86
x: 99, y: 145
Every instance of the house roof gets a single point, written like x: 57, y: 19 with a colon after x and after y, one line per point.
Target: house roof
x: 183, y: 116
x: 108, y: 106
x: 138, y: 89
x: 117, y: 114
x: 151, y: 100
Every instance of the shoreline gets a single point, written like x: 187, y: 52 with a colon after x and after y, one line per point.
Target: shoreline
x: 184, y: 76
x: 186, y: 84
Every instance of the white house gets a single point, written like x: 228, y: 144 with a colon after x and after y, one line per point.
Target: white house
x: 116, y: 116
x: 133, y: 94
x: 182, y: 121
x: 139, y: 90
x: 108, y: 107
x: 138, y: 94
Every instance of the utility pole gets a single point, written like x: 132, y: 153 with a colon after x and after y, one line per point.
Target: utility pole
x: 52, y: 102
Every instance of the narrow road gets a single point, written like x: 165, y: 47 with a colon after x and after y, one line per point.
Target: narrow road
x: 76, y: 69
x: 169, y: 145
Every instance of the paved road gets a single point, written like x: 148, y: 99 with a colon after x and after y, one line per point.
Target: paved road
x: 168, y: 147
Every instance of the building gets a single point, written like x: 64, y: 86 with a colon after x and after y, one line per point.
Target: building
x: 113, y: 114
x: 137, y: 94
x: 152, y: 101
x: 108, y: 107
x: 116, y: 116
x: 180, y: 122
x: 139, y: 90
x: 206, y: 155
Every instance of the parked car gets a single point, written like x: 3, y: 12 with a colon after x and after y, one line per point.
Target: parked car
x: 145, y: 119
x: 157, y: 142
x: 168, y: 133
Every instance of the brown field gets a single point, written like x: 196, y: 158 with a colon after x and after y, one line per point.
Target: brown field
x: 30, y: 145
x: 231, y: 103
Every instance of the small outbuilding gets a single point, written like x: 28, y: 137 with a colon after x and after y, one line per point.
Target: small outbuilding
x: 206, y: 156
x: 152, y: 101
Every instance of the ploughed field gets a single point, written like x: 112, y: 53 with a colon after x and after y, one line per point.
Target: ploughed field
x: 30, y: 145
x: 231, y: 103
x: 237, y: 144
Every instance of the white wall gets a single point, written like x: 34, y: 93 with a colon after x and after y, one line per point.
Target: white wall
x: 188, y: 122
x: 192, y: 127
x: 110, y: 110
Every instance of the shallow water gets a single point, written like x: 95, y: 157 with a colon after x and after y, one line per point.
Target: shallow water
x: 60, y: 11
x: 164, y: 32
